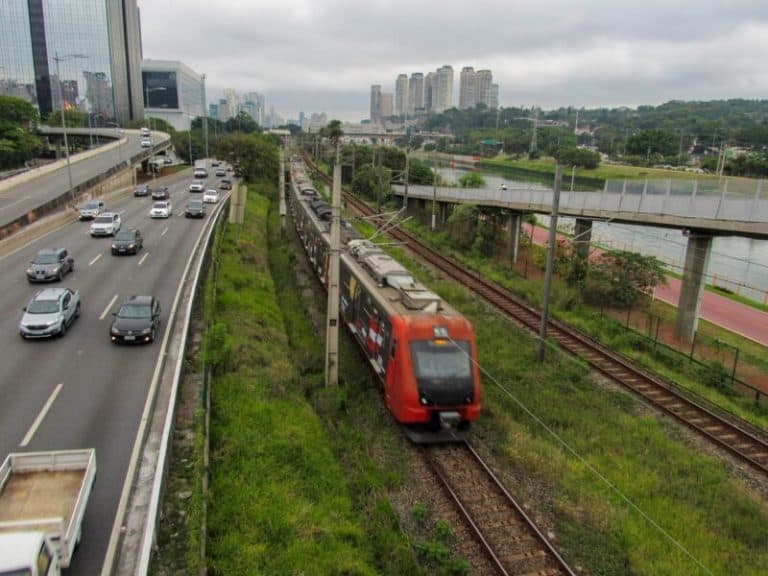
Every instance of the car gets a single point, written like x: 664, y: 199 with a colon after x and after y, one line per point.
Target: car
x: 211, y: 196
x: 89, y: 210
x: 50, y: 313
x: 106, y: 224
x: 161, y: 193
x: 143, y: 190
x: 146, y: 143
x: 168, y: 160
x: 127, y: 242
x: 145, y: 132
x: 215, y: 163
x: 162, y: 209
x: 226, y: 184
x: 196, y: 186
x: 221, y: 172
x: 137, y: 320
x: 195, y: 209
x: 50, y: 264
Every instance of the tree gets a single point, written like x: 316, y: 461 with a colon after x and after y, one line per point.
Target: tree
x: 581, y: 157
x: 17, y: 143
x: 621, y: 277
x: 472, y: 180
x: 255, y: 156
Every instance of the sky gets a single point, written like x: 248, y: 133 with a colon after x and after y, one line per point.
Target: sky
x: 324, y: 55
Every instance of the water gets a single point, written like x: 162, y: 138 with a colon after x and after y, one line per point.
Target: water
x: 737, y: 264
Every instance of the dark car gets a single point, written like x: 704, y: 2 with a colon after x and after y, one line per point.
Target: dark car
x: 136, y: 321
x: 49, y: 265
x: 195, y: 209
x: 127, y: 242
x: 161, y: 193
x: 142, y: 191
x: 226, y: 184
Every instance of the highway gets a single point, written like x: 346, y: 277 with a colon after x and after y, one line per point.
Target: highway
x: 82, y: 391
x: 28, y: 194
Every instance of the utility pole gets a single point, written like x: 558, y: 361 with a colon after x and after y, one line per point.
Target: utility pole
x: 332, y: 327
x: 405, y: 184
x: 378, y: 178
x: 550, y: 261
x: 434, y: 195
x: 533, y: 150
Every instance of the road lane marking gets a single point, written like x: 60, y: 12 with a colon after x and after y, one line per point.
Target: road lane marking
x: 164, y: 232
x: 42, y: 415
x: 108, y: 308
x: 92, y: 262
x: 143, y: 258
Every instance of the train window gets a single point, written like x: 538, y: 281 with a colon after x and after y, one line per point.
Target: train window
x: 439, y: 361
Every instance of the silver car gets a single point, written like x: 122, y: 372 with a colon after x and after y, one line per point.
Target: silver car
x: 50, y: 313
x: 106, y: 224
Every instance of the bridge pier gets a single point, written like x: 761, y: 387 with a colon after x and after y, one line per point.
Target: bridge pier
x: 582, y: 237
x: 697, y: 254
x: 514, y: 221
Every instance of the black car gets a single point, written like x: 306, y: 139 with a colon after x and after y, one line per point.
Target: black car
x: 142, y: 191
x: 195, y: 209
x: 136, y: 321
x: 49, y: 265
x: 161, y: 193
x: 127, y: 242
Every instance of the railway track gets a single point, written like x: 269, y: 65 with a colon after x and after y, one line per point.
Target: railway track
x: 742, y: 440
x: 510, y: 541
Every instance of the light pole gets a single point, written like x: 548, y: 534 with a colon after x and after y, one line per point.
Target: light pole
x: 147, y: 90
x: 119, y: 141
x: 58, y: 59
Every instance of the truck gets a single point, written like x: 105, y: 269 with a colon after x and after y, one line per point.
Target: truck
x: 43, y: 496
x: 201, y: 169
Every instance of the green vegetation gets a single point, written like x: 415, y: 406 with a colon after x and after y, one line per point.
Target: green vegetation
x: 17, y: 142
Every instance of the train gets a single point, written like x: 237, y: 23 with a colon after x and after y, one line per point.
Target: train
x: 422, y: 350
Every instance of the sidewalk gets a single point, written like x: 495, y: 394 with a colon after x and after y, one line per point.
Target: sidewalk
x: 724, y: 312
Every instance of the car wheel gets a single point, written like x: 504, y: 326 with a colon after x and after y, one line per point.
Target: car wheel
x: 61, y: 275
x: 77, y: 310
x: 23, y: 336
x: 63, y: 328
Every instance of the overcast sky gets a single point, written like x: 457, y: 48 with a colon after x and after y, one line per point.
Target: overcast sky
x: 323, y: 55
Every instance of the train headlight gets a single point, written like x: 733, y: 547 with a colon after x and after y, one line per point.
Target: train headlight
x: 440, y: 332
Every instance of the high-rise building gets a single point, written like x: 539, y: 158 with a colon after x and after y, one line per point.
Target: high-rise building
x: 95, y: 44
x: 416, y: 94
x: 376, y: 104
x: 387, y: 105
x: 253, y: 105
x: 494, y: 96
x: 172, y: 91
x: 443, y: 100
x: 467, y: 97
x: 430, y: 92
x: 401, y: 95
x: 233, y: 104
x: 484, y: 80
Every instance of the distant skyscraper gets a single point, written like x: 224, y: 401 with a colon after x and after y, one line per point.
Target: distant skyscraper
x: 376, y: 104
x: 33, y: 33
x: 387, y: 105
x: 401, y: 95
x: 444, y: 97
x: 253, y: 105
x: 484, y: 80
x: 416, y: 94
x: 494, y: 96
x: 233, y: 104
x: 467, y: 97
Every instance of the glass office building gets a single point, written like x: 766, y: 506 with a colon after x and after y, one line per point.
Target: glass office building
x: 173, y: 92
x: 82, y: 54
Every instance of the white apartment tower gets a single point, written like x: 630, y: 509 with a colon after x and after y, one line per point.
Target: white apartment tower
x: 443, y: 99
x: 483, y: 83
x: 401, y: 95
x: 494, y: 96
x: 376, y: 104
x: 416, y: 94
x: 467, y: 84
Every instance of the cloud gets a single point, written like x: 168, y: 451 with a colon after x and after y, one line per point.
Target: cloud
x: 549, y: 52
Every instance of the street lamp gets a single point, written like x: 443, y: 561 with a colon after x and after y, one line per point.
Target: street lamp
x: 58, y: 59
x: 147, y: 90
x: 119, y: 141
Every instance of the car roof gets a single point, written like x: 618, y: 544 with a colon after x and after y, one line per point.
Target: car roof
x: 49, y: 294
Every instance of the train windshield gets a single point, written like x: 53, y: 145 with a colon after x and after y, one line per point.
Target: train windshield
x: 441, y: 360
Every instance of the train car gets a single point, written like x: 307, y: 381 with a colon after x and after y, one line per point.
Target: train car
x: 422, y: 349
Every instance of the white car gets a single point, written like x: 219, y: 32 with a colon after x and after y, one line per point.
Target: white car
x: 146, y: 143
x: 161, y: 209
x: 211, y: 196
x: 106, y: 224
x: 196, y: 186
x: 50, y: 312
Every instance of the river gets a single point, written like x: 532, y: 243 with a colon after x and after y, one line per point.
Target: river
x: 736, y: 264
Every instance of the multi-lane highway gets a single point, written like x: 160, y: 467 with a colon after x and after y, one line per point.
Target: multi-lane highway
x: 82, y: 391
x: 22, y: 194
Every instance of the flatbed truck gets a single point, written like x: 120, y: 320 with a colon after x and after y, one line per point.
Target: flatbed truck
x: 43, y: 496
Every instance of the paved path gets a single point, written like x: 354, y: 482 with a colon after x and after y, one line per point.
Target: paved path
x: 724, y: 312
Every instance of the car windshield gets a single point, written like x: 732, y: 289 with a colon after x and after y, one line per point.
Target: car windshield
x: 161, y: 205
x: 103, y: 220
x: 124, y: 235
x: 43, y: 307
x: 90, y: 205
x: 134, y: 311
x: 46, y: 258
x: 195, y: 203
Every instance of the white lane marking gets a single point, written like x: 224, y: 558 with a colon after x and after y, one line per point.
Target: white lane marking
x: 92, y: 262
x: 108, y: 308
x: 143, y: 258
x: 41, y: 416
x: 164, y: 232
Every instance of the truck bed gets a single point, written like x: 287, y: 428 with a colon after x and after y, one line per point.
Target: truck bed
x: 39, y: 495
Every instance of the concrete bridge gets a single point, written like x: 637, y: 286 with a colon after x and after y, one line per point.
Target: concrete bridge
x: 702, y: 209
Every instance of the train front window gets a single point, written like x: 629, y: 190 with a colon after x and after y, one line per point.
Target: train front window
x: 441, y: 360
